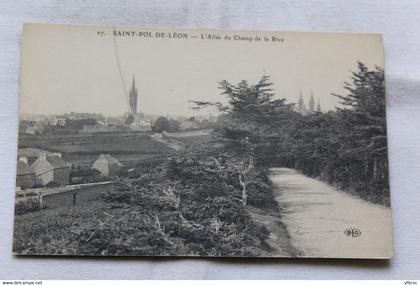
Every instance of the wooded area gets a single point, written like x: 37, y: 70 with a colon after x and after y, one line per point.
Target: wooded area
x: 346, y: 147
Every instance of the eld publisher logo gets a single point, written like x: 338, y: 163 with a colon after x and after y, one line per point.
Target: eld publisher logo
x: 352, y: 232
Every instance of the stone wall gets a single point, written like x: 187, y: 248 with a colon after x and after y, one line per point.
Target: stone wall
x: 83, y: 194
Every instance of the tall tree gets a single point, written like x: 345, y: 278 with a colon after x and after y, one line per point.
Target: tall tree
x: 363, y: 109
x: 253, y: 121
x: 348, y: 146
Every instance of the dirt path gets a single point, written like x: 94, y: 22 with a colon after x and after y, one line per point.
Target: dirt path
x: 278, y: 244
x: 324, y: 222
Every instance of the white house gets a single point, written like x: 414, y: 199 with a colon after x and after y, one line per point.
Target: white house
x: 25, y: 175
x: 107, y: 165
x: 51, y: 168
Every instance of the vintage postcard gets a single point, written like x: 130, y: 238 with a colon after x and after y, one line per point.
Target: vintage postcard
x: 137, y: 141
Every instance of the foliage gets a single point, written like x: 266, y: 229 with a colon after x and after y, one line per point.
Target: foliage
x: 348, y: 146
x: 188, y: 205
x: 252, y: 119
x: 161, y: 124
x: 259, y: 190
x: 52, y: 184
x: 86, y: 175
x: 79, y: 123
x: 30, y: 204
x: 174, y: 125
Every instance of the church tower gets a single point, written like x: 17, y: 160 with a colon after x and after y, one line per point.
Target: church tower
x: 312, y: 103
x: 318, y: 107
x: 301, y: 104
x: 132, y: 98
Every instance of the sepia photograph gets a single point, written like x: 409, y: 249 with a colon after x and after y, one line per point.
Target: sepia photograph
x: 139, y: 141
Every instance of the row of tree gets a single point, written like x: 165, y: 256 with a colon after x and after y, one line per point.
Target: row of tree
x: 171, y: 125
x: 346, y: 146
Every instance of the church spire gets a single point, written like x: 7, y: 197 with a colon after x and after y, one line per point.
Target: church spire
x: 301, y: 104
x: 133, y: 83
x: 312, y: 103
x: 318, y: 106
x: 132, y: 97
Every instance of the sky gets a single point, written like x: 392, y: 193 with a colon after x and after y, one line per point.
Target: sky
x: 68, y: 68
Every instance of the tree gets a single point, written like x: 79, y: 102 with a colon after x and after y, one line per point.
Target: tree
x: 161, y: 124
x: 348, y: 146
x: 79, y: 123
x: 252, y: 120
x: 364, y: 133
x: 174, y: 125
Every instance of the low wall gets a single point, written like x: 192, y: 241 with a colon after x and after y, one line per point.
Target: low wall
x: 183, y: 134
x: 82, y: 194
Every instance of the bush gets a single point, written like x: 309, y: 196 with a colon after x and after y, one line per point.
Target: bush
x: 30, y: 205
x: 260, y: 191
x: 185, y: 206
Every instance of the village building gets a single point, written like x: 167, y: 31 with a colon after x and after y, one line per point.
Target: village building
x: 84, y: 116
x: 113, y: 121
x: 140, y: 124
x: 107, y: 165
x: 51, y: 168
x: 190, y: 123
x: 25, y: 175
x: 61, y: 122
x: 31, y: 154
x: 34, y: 128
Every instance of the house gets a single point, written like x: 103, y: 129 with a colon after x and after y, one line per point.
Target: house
x: 84, y: 116
x: 25, y: 175
x: 51, y: 168
x: 107, y: 165
x: 60, y: 121
x: 31, y: 154
x: 141, y: 125
x: 34, y: 128
x: 189, y: 124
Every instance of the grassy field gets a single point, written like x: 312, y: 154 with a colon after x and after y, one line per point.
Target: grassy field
x: 195, y: 141
x: 123, y: 143
x: 83, y: 149
x: 129, y: 148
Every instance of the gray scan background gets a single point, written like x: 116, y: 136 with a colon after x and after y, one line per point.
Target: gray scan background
x: 399, y: 21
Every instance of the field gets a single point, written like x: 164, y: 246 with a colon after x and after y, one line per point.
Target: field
x: 124, y: 143
x: 195, y: 141
x: 83, y: 149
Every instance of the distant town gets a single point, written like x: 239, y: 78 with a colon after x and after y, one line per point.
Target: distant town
x: 74, y: 148
x: 60, y: 155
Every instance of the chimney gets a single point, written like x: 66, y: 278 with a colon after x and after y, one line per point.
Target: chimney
x: 42, y: 156
x: 23, y: 159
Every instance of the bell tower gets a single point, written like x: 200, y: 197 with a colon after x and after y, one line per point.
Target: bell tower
x: 133, y: 97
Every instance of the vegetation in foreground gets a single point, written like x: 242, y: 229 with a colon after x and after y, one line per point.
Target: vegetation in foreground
x: 189, y: 205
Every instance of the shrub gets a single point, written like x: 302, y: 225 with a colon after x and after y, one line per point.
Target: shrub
x: 29, y: 205
x: 184, y: 206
